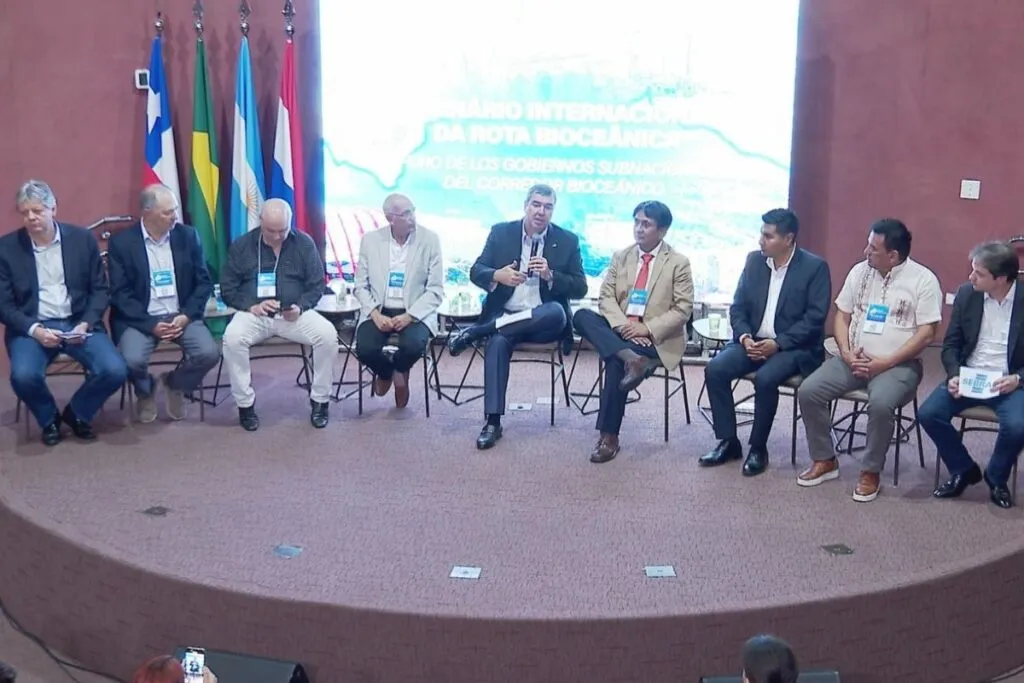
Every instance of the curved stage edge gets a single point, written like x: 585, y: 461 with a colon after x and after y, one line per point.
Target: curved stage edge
x: 112, y: 615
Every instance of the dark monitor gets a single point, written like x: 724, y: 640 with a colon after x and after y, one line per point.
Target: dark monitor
x: 229, y: 667
x: 808, y: 677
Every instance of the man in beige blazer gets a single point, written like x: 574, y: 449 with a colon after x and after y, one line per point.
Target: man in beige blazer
x: 646, y: 301
x: 399, y: 285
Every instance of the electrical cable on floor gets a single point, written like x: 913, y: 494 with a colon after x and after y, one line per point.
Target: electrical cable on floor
x: 64, y: 665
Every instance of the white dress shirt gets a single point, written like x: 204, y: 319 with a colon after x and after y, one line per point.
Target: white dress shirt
x: 54, y: 302
x: 991, y: 352
x: 398, y: 255
x: 160, y: 258
x: 527, y: 295
x: 767, y: 328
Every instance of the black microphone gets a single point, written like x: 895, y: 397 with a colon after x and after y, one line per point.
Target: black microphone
x: 535, y: 246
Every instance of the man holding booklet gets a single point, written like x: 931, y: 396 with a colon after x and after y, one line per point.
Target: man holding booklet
x: 53, y: 294
x: 983, y: 355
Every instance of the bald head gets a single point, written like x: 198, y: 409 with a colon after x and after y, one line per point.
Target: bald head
x: 275, y: 222
x: 400, y: 214
x: 159, y: 208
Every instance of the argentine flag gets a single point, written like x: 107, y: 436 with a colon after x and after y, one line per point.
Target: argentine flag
x: 247, y: 179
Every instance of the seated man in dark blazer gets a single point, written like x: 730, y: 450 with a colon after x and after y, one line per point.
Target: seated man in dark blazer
x: 778, y: 324
x: 530, y: 269
x: 159, y: 287
x: 646, y: 301
x: 53, y: 294
x: 984, y: 334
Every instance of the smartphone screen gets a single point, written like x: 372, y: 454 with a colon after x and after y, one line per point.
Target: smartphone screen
x: 193, y: 663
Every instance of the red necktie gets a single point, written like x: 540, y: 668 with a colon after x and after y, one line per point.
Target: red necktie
x: 641, y: 278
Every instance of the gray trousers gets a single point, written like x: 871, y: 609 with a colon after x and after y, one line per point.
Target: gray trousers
x: 201, y: 354
x: 886, y: 392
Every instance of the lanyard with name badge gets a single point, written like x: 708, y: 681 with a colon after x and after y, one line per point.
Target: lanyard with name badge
x: 266, y: 283
x: 878, y: 314
x: 163, y: 278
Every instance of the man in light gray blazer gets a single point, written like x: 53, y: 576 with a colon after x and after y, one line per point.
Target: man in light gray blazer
x: 399, y: 284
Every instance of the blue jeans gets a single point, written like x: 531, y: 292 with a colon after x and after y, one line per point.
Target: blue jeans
x: 105, y: 373
x: 936, y: 415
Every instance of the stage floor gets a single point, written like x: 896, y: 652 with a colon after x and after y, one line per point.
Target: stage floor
x: 381, y: 508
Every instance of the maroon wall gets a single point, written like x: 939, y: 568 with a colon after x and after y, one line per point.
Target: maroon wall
x: 69, y: 111
x: 896, y: 102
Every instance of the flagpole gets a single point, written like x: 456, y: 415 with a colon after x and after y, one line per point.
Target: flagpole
x: 197, y: 14
x: 244, y: 11
x: 289, y: 19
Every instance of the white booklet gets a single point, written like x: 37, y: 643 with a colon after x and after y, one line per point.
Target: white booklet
x: 978, y: 383
x: 510, y: 318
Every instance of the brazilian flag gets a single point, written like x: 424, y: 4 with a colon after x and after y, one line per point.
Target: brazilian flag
x: 204, y: 205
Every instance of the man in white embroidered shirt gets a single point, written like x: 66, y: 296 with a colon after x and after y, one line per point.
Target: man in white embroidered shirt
x: 983, y: 347
x: 888, y: 311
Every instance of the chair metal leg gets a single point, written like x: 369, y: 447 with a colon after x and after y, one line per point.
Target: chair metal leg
x: 686, y: 394
x: 426, y: 384
x: 359, y: 379
x: 665, y: 420
x: 899, y: 439
x: 796, y: 419
x: 552, y: 366
x: 917, y: 428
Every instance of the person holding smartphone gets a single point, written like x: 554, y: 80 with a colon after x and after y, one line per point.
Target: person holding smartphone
x: 274, y: 278
x: 53, y: 294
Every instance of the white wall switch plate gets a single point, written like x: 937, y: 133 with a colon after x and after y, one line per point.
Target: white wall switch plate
x: 950, y: 296
x: 970, y: 189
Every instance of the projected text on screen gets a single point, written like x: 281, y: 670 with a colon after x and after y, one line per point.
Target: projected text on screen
x: 463, y: 107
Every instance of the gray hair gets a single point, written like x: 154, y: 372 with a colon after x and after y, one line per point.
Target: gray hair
x: 36, y: 191
x: 998, y: 258
x: 543, y: 190
x: 276, y: 205
x: 152, y: 194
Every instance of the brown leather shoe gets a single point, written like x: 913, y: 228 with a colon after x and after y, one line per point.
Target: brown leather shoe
x: 381, y: 387
x: 867, y: 487
x: 401, y: 389
x: 607, y: 448
x: 819, y: 472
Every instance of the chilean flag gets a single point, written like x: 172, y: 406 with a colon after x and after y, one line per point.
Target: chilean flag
x: 287, y: 178
x: 161, y: 162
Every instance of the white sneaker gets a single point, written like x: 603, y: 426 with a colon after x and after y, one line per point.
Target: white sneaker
x: 175, y: 400
x: 146, y: 409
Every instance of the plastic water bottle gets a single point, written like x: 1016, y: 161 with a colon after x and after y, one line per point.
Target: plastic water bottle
x: 221, y: 306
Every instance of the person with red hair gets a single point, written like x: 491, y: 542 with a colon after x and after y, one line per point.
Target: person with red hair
x: 166, y: 669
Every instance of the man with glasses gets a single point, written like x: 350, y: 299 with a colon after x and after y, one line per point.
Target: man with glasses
x: 399, y: 285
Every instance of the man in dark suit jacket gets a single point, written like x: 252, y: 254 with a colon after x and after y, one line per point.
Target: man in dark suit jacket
x: 778, y: 324
x: 530, y: 269
x: 984, y: 333
x: 159, y: 288
x: 53, y: 294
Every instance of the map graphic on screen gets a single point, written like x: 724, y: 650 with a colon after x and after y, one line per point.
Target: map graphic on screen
x: 462, y: 106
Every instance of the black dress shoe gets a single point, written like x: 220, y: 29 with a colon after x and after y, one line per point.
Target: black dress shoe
x: 318, y: 414
x: 51, y: 432
x: 958, y: 483
x: 460, y: 342
x: 80, y: 428
x: 999, y: 494
x: 756, y: 462
x: 248, y: 418
x: 726, y: 450
x: 489, y: 436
